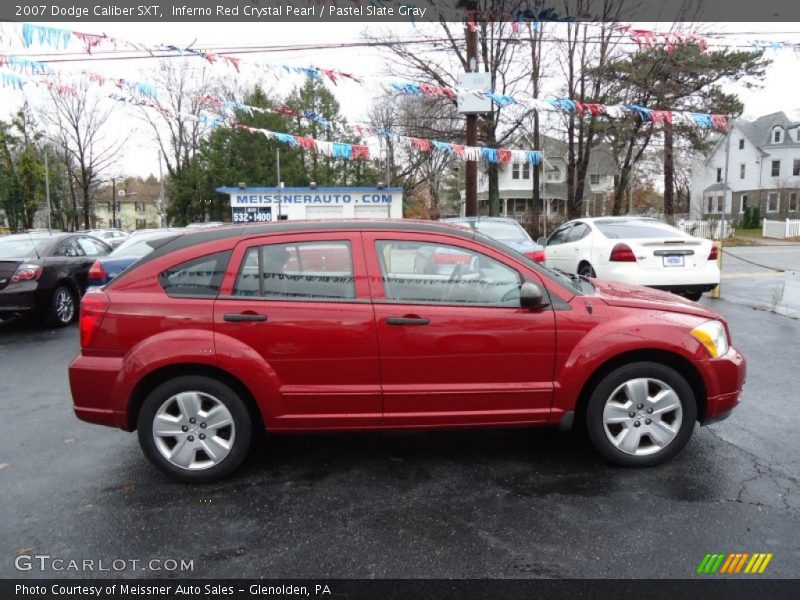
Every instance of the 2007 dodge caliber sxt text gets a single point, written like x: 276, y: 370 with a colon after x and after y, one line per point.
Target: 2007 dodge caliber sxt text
x: 333, y: 326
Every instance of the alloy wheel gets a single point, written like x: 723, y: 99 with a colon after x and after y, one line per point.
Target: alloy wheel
x: 194, y: 430
x: 64, y: 305
x: 642, y: 416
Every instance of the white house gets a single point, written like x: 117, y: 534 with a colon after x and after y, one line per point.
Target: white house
x: 763, y: 158
x: 516, y: 183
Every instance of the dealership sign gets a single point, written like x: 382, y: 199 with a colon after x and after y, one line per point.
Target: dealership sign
x: 262, y: 204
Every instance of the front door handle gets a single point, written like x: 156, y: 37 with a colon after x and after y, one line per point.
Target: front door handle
x: 241, y: 317
x: 407, y: 321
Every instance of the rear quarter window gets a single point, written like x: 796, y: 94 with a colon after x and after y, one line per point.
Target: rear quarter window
x: 196, y: 278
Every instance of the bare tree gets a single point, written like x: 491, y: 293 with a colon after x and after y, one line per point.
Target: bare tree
x: 175, y: 118
x: 80, y: 127
x: 444, y: 55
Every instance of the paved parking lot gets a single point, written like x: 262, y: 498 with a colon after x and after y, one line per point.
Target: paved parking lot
x: 750, y: 275
x: 496, y: 503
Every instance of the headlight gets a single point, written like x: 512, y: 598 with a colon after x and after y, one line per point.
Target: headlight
x: 713, y: 336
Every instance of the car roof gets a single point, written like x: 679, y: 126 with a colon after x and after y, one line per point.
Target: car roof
x: 39, y: 235
x: 201, y: 236
x: 479, y: 218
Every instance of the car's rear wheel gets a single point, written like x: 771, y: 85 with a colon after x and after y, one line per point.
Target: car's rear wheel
x: 62, y: 308
x: 693, y: 296
x: 641, y: 414
x: 195, y: 429
x: 586, y: 270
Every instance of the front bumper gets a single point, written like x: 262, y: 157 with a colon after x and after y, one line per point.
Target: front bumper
x: 725, y: 380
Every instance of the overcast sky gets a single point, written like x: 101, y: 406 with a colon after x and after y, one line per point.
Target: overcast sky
x: 780, y: 92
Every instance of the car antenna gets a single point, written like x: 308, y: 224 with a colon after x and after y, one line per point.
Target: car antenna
x: 35, y: 249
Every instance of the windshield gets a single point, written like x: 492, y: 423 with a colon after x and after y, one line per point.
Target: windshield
x: 139, y: 246
x: 20, y: 247
x: 498, y: 230
x: 559, y: 277
x: 636, y: 229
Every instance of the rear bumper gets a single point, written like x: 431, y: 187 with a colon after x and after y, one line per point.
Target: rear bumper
x: 680, y: 280
x: 724, y: 383
x: 18, y: 298
x: 92, y: 380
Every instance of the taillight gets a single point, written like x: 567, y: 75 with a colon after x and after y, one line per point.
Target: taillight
x: 93, y: 308
x: 622, y: 253
x: 714, y: 254
x: 26, y: 273
x: 536, y: 255
x: 97, y: 272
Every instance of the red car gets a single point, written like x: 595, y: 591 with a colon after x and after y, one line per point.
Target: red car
x: 338, y: 326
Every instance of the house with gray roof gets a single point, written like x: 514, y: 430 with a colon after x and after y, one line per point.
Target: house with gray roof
x: 516, y: 183
x: 763, y: 169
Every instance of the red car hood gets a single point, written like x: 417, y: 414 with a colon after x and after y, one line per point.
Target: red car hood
x: 637, y: 296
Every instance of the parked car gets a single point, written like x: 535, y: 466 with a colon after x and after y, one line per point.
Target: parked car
x: 506, y: 231
x: 635, y: 250
x: 330, y: 326
x: 112, y: 237
x: 108, y: 267
x: 44, y: 275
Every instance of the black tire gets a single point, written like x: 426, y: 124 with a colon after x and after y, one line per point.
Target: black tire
x: 693, y: 296
x: 56, y: 312
x: 242, y: 426
x: 586, y: 270
x: 602, y: 393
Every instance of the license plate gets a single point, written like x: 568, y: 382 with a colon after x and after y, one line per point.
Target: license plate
x: 673, y: 261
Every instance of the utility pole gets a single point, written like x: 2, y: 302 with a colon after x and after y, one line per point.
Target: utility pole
x: 47, y: 190
x: 161, y: 211
x: 113, y: 202
x: 715, y: 293
x: 471, y: 167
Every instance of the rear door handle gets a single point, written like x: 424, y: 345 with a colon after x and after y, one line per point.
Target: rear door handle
x: 407, y: 321
x: 241, y: 317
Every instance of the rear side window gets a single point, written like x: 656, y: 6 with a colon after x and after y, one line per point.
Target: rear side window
x: 196, y: 278
x: 298, y: 271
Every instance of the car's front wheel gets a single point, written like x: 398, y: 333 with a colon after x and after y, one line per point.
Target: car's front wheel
x: 586, y: 270
x: 195, y: 429
x: 641, y: 414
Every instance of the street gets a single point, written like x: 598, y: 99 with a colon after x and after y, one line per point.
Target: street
x: 491, y: 503
x: 751, y: 276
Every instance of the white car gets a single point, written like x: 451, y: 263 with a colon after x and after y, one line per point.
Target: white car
x: 635, y: 250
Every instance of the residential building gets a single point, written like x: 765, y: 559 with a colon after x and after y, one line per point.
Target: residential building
x: 516, y: 185
x: 137, y: 204
x: 763, y: 169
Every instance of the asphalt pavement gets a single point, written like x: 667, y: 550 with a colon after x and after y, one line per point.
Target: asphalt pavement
x: 756, y: 276
x: 489, y: 503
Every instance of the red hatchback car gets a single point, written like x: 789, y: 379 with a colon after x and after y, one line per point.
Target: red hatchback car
x: 344, y: 326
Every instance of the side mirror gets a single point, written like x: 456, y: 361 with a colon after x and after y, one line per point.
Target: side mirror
x: 530, y: 295
x: 542, y: 241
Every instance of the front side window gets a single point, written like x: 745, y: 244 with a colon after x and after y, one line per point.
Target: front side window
x: 92, y: 247
x: 579, y: 231
x: 70, y: 248
x: 199, y: 277
x: 298, y: 271
x: 416, y: 272
x: 559, y: 236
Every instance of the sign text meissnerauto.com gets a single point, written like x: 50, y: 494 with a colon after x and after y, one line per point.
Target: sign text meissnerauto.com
x: 323, y: 198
